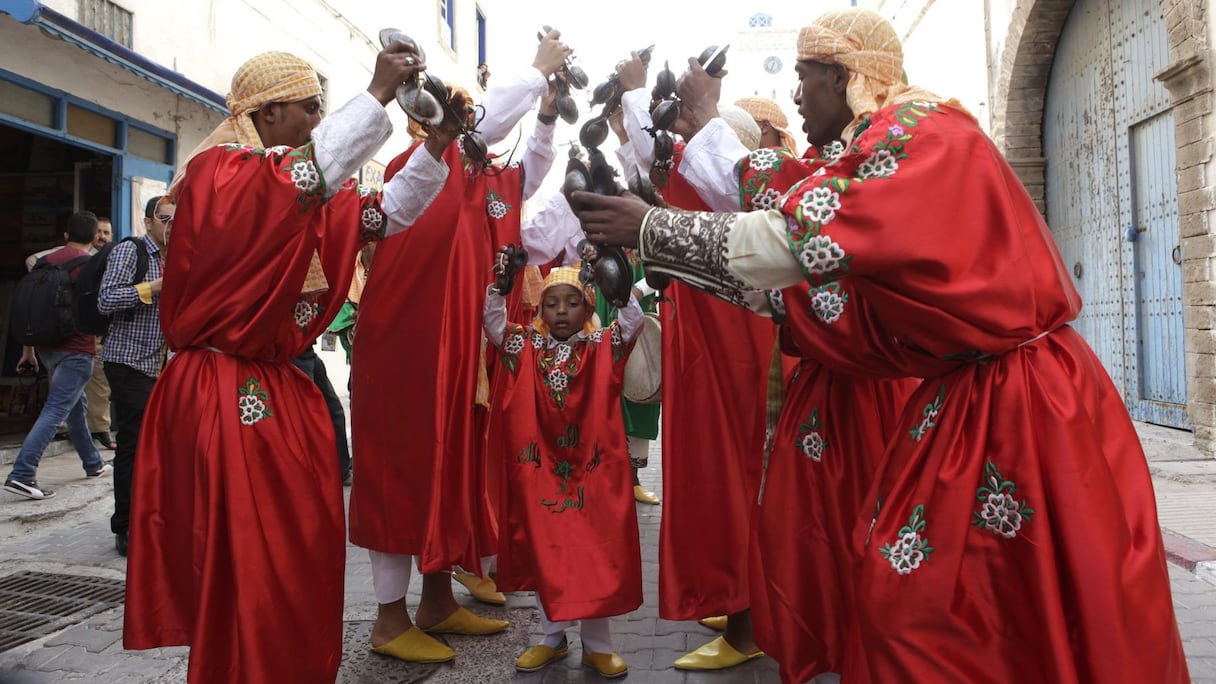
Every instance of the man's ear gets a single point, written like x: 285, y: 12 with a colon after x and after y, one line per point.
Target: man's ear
x: 840, y: 79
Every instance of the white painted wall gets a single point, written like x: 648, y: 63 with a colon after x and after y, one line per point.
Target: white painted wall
x: 207, y: 40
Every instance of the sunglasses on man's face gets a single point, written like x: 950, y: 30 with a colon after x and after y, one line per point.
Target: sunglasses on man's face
x: 166, y: 220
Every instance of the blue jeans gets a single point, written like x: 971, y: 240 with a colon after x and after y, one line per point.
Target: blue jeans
x: 69, y: 373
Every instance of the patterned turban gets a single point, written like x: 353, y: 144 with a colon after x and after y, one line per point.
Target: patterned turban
x: 568, y: 275
x: 863, y: 42
x: 269, y: 77
x: 763, y: 109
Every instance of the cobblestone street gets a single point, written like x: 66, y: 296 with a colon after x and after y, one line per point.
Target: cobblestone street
x: 78, y: 542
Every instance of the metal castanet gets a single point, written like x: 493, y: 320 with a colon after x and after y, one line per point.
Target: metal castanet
x: 510, y: 260
x: 414, y: 100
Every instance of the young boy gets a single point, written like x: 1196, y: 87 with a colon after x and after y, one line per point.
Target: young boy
x: 569, y: 530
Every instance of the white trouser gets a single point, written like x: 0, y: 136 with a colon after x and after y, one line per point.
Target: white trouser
x: 596, y: 634
x: 391, y: 574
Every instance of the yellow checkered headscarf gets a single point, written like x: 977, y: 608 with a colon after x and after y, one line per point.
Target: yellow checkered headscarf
x: 568, y: 275
x: 268, y: 77
x: 863, y: 42
x: 763, y: 109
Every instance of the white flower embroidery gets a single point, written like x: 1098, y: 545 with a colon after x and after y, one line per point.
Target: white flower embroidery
x: 372, y: 219
x: 827, y: 305
x: 820, y: 205
x: 616, y: 340
x: 763, y: 160
x: 558, y: 380
x: 562, y: 353
x: 305, y: 312
x: 776, y: 299
x: 769, y: 199
x: 305, y: 176
x: 514, y: 344
x: 497, y: 209
x: 812, y: 446
x: 596, y: 336
x: 1002, y: 515
x: 881, y: 164
x: 278, y: 149
x: 820, y: 254
x: 364, y: 190
x: 538, y: 340
x: 252, y: 409
x: 907, y: 553
x: 833, y: 150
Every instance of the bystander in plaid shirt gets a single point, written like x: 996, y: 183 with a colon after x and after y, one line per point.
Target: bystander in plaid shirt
x: 135, y: 338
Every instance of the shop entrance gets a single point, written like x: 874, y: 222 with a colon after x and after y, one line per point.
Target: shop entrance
x: 42, y: 182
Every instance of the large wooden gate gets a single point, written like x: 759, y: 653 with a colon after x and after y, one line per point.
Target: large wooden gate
x: 1112, y: 198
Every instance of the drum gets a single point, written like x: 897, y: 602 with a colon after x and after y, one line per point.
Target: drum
x: 643, y: 369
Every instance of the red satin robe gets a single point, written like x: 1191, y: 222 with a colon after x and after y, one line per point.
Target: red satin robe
x: 715, y: 377
x: 420, y: 484
x: 1013, y: 532
x: 837, y: 415
x: 569, y: 525
x: 237, y: 537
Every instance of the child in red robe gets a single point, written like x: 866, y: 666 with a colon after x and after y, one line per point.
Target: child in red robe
x: 569, y: 530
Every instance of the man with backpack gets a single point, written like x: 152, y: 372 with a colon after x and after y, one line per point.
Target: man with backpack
x: 134, y: 344
x: 42, y: 321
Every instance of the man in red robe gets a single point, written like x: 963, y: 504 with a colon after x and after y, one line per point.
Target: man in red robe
x: 715, y: 371
x: 1011, y: 531
x: 235, y: 500
x: 420, y: 482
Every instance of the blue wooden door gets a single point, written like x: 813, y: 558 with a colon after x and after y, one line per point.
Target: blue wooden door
x: 1112, y: 198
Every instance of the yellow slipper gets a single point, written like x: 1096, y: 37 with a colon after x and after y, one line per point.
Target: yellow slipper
x: 414, y: 646
x: 642, y: 496
x: 716, y: 623
x: 481, y: 588
x: 716, y: 655
x: 464, y: 622
x: 541, y: 655
x: 608, y: 665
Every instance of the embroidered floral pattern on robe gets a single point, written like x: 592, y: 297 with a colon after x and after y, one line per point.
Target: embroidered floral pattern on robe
x: 1000, y: 511
x: 252, y: 403
x: 911, y: 549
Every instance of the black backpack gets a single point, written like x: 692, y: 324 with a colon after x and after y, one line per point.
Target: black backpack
x: 88, y: 285
x: 42, y: 314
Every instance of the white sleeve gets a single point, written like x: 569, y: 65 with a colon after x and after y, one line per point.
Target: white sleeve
x: 644, y: 287
x: 636, y: 106
x: 494, y: 317
x: 507, y: 101
x: 709, y: 164
x: 628, y: 159
x: 539, y: 154
x: 409, y: 193
x: 758, y: 252
x: 630, y: 319
x: 347, y: 138
x: 551, y: 230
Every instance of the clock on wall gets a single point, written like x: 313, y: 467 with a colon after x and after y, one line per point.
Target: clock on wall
x: 772, y: 64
